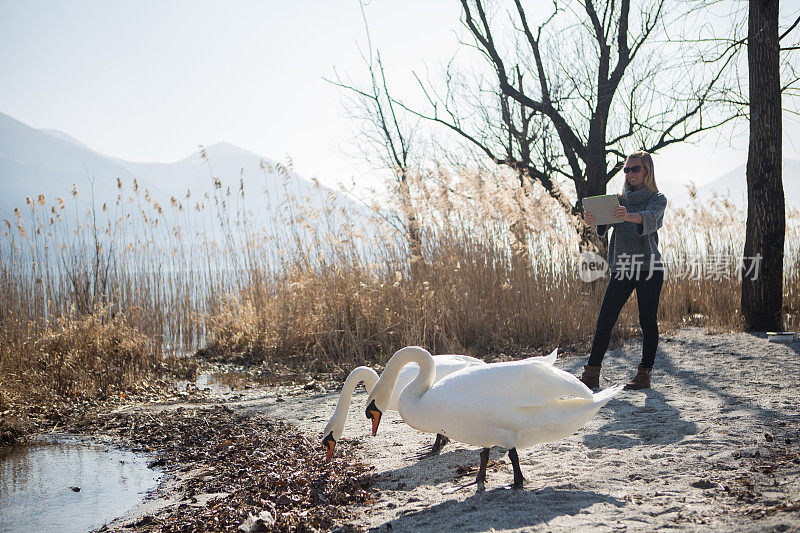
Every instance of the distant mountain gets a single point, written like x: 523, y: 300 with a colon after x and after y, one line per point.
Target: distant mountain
x: 734, y: 186
x: 264, y: 184
x: 35, y: 161
x: 64, y: 137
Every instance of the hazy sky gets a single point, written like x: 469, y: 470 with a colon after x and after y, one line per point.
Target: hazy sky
x: 149, y: 80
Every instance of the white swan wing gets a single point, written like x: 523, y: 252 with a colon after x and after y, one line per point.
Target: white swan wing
x: 512, y: 385
x: 455, y: 359
x: 512, y: 404
x: 447, y: 364
x: 506, y: 404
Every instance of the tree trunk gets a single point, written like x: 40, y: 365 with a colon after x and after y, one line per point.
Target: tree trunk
x: 762, y: 282
x: 589, y: 239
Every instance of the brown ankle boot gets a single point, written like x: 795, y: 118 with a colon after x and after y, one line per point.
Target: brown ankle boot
x: 591, y: 376
x: 641, y: 380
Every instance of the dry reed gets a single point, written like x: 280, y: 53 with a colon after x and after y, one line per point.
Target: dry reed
x: 106, y: 295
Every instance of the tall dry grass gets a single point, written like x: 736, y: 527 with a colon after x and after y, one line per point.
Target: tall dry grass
x: 108, y: 293
x: 472, y: 295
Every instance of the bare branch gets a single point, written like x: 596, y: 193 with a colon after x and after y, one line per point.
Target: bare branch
x: 793, y: 26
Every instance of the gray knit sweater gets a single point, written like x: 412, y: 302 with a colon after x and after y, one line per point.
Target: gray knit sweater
x: 635, y: 246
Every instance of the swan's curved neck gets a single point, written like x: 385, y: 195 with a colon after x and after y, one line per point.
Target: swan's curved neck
x: 427, y: 368
x: 362, y: 373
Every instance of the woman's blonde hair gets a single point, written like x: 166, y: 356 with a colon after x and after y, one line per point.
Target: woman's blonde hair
x: 650, y: 172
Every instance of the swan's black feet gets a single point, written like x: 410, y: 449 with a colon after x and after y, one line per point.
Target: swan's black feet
x: 438, y: 444
x: 481, y: 479
x: 519, y: 481
x: 516, y: 485
x: 484, y: 462
x: 433, y: 449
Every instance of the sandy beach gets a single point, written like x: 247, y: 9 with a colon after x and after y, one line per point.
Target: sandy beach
x: 712, y: 446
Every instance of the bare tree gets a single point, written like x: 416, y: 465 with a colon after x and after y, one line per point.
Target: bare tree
x: 597, y: 88
x: 509, y: 134
x: 772, y: 78
x: 388, y: 140
x: 726, y: 44
x: 762, y: 294
x: 503, y: 131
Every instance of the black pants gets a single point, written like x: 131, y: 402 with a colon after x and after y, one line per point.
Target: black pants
x: 648, y: 292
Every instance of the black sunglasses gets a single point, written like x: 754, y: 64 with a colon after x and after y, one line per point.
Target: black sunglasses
x: 635, y: 168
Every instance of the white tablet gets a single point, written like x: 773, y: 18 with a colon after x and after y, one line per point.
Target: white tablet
x: 602, y: 207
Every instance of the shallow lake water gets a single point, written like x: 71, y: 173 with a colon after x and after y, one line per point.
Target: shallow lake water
x: 37, y: 485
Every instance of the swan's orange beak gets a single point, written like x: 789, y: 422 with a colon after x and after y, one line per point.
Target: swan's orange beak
x: 374, y: 414
x: 329, y: 443
x: 376, y: 420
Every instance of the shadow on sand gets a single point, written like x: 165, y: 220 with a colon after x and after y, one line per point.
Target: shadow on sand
x: 655, y: 423
x: 716, y: 378
x: 499, y: 508
x: 632, y: 425
x: 429, y: 471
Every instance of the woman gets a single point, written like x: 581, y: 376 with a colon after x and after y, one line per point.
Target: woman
x: 635, y: 263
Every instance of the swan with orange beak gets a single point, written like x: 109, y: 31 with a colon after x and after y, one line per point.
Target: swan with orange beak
x: 444, y: 365
x: 514, y: 404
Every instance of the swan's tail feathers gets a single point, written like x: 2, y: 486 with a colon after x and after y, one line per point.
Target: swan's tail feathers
x: 550, y: 359
x: 602, y: 397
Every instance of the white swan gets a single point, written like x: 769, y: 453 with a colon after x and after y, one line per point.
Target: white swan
x: 445, y: 364
x: 514, y: 405
x: 335, y: 426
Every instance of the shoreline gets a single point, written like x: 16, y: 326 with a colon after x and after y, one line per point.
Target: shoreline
x: 714, y: 445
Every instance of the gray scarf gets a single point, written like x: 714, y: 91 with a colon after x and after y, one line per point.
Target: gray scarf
x: 638, y: 197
